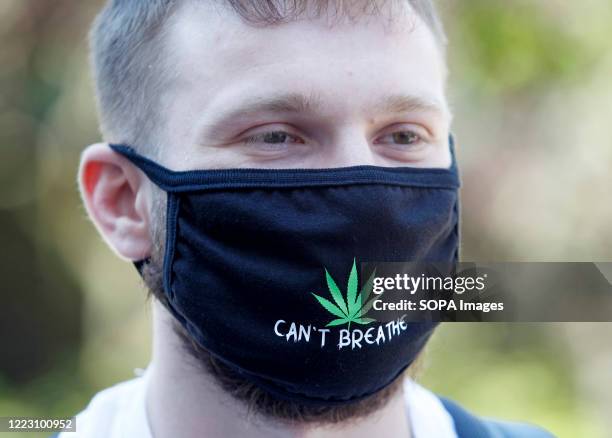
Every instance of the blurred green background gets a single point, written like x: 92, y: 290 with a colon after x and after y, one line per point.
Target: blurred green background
x: 531, y: 90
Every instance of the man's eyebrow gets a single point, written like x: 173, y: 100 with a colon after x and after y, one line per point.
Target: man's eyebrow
x: 282, y: 103
x: 289, y: 103
x: 400, y: 103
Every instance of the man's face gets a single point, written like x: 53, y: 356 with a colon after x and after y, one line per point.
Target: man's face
x: 304, y: 93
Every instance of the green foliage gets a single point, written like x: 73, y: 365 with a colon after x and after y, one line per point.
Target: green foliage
x: 506, y: 47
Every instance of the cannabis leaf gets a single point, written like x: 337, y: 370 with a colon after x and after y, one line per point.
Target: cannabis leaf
x: 353, y: 309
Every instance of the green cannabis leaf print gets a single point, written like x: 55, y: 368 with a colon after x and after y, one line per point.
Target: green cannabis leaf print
x: 353, y: 308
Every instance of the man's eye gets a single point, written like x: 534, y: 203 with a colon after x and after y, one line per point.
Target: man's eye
x: 408, y: 138
x: 273, y: 137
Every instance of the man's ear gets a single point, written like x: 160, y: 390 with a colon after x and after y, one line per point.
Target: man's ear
x: 117, y: 199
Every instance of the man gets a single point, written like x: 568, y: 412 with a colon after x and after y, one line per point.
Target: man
x: 255, y: 152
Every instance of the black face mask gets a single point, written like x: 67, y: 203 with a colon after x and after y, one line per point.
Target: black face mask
x: 259, y: 268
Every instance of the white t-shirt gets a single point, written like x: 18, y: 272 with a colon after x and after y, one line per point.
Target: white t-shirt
x: 119, y: 412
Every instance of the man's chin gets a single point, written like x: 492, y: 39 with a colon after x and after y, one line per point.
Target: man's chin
x: 262, y: 403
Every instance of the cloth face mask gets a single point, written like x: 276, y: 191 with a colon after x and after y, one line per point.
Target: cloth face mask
x: 259, y: 268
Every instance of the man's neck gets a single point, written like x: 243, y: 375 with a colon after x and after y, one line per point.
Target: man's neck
x: 182, y: 400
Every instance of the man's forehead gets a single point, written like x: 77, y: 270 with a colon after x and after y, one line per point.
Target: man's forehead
x: 201, y: 28
x: 217, y: 23
x: 220, y: 55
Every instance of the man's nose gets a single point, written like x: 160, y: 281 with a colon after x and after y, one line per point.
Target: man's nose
x: 349, y: 150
